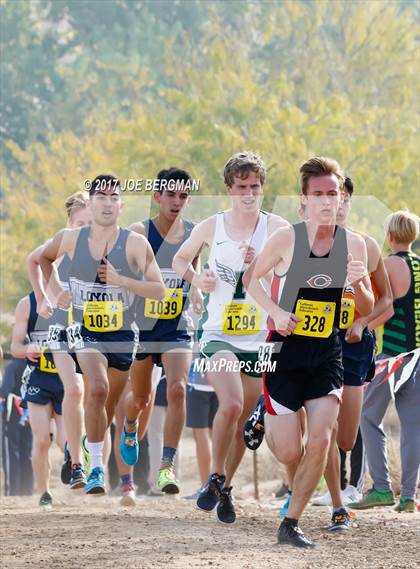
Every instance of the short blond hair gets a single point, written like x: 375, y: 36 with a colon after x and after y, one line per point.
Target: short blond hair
x: 241, y: 164
x: 403, y: 225
x: 318, y: 166
x: 78, y: 200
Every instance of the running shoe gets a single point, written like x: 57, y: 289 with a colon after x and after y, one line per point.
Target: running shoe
x: 46, y: 501
x: 374, y: 498
x: 285, y: 506
x: 78, y: 477
x: 86, y: 456
x: 96, y: 482
x: 225, y: 510
x: 289, y: 534
x: 282, y: 491
x: 323, y: 500
x: 129, y: 447
x: 210, y: 494
x: 406, y: 505
x: 254, y: 426
x: 167, y: 482
x: 66, y: 466
x: 350, y: 495
x: 340, y: 520
x: 128, y: 495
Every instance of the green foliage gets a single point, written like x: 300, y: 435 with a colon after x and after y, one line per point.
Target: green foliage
x: 131, y: 87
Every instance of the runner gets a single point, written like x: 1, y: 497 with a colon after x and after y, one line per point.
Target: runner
x: 43, y: 390
x: 232, y: 324
x: 104, y: 279
x: 358, y: 356
x: 397, y: 377
x: 312, y: 261
x: 164, y: 328
x: 72, y: 472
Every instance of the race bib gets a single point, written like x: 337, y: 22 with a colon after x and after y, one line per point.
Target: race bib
x: 347, y: 313
x: 317, y: 318
x: 103, y: 316
x: 241, y: 318
x: 46, y: 365
x: 74, y: 337
x: 168, y: 308
x: 53, y: 339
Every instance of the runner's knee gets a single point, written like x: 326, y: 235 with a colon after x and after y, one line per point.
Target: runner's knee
x: 98, y: 391
x: 42, y: 442
x: 231, y: 409
x: 318, y: 444
x: 74, y: 391
x: 176, y: 391
x: 140, y: 402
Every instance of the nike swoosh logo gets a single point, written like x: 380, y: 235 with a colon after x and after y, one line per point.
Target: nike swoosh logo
x: 220, y: 242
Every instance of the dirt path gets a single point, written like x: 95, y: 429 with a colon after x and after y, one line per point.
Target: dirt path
x: 90, y: 532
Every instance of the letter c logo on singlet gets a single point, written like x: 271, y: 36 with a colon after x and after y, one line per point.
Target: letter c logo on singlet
x: 319, y: 281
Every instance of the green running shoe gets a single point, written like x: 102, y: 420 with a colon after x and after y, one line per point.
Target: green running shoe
x: 373, y: 498
x: 406, y: 505
x: 86, y: 457
x: 167, y: 482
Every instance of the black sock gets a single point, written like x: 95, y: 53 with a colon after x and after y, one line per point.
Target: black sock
x: 291, y: 521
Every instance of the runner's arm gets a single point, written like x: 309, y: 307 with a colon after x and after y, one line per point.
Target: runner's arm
x: 36, y: 276
x: 262, y: 265
x: 357, y: 274
x: 62, y: 243
x: 383, y: 305
x: 18, y: 347
x: 141, y: 253
x: 183, y: 262
x: 391, y: 271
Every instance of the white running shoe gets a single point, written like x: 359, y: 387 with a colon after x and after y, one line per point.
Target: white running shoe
x: 128, y: 495
x: 323, y: 500
x: 351, y: 494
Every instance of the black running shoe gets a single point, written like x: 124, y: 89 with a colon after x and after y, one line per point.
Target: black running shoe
x: 66, y: 467
x: 46, y: 500
x: 78, y: 477
x: 210, y: 493
x: 282, y: 491
x: 289, y: 534
x: 225, y: 510
x: 340, y: 520
x: 254, y: 426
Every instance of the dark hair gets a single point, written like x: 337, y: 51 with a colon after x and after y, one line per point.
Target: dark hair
x: 173, y: 173
x: 320, y: 166
x: 103, y: 182
x: 348, y: 185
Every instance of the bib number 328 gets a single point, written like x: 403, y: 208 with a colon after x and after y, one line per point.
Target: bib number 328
x: 317, y: 318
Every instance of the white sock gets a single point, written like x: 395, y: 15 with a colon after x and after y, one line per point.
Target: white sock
x: 96, y: 454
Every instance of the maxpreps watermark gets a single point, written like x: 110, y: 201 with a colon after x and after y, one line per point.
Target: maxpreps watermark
x: 205, y: 365
x: 132, y: 185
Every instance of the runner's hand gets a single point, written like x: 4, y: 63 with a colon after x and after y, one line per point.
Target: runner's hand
x: 44, y: 307
x: 248, y: 252
x: 206, y: 281
x: 33, y: 352
x: 285, y: 322
x: 64, y: 299
x: 108, y: 274
x: 197, y: 300
x: 356, y: 270
x: 355, y: 332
